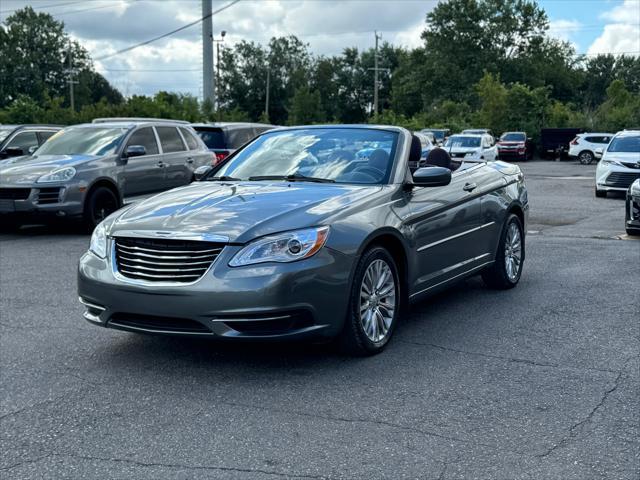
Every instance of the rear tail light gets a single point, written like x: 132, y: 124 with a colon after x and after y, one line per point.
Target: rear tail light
x: 574, y: 141
x: 218, y: 157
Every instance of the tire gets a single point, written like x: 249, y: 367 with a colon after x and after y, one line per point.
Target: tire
x: 100, y: 203
x: 367, y: 330
x: 633, y: 232
x: 585, y: 157
x: 506, y: 271
x: 601, y: 193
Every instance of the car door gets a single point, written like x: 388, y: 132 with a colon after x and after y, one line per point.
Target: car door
x: 490, y: 150
x: 174, y: 156
x: 446, y: 222
x: 198, y: 156
x: 144, y: 174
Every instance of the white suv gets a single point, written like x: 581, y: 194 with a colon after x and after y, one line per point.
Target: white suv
x: 471, y: 147
x: 620, y: 163
x: 584, y: 146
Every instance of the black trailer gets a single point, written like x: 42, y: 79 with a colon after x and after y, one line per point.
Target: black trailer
x: 554, y: 142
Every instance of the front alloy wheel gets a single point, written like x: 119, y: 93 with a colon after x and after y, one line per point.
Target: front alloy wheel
x: 377, y: 300
x: 507, y: 268
x: 374, y: 304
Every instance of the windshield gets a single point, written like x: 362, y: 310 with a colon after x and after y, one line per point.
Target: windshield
x: 4, y: 132
x: 212, y: 138
x: 457, y: 141
x: 343, y: 155
x: 513, y: 137
x: 625, y: 144
x: 83, y: 141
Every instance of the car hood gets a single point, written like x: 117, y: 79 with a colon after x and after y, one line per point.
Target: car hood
x: 239, y: 211
x: 30, y: 169
x: 628, y: 157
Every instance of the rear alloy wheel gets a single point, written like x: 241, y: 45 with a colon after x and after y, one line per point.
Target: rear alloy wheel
x: 374, y: 304
x: 506, y: 270
x: 101, y: 203
x: 601, y: 193
x: 586, y: 157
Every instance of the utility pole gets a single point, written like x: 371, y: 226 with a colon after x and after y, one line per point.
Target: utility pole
x: 266, y: 102
x: 71, y: 78
x: 208, y: 82
x: 376, y: 69
x: 375, y: 77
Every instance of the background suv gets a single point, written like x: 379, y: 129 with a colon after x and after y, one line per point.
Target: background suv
x: 584, y: 146
x: 224, y: 138
x: 87, y: 170
x: 620, y: 163
x: 16, y: 140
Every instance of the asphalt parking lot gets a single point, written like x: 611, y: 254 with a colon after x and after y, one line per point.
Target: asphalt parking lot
x: 539, y: 382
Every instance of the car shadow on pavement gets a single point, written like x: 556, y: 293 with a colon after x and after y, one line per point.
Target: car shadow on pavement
x: 165, y: 352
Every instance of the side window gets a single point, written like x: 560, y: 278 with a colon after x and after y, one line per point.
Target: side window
x: 191, y: 141
x: 605, y: 140
x: 44, y: 135
x: 170, y: 140
x: 146, y: 138
x: 24, y: 140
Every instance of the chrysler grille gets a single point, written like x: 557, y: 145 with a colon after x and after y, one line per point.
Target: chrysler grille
x: 163, y: 260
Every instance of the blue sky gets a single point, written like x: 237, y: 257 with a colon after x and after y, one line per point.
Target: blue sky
x: 104, y: 26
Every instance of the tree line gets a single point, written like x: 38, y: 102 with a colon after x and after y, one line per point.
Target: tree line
x: 482, y: 63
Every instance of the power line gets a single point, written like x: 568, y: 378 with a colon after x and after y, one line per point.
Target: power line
x: 184, y: 27
x: 111, y: 5
x: 44, y: 6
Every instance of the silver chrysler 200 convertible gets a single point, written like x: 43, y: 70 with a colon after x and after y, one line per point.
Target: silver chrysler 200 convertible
x: 306, y: 232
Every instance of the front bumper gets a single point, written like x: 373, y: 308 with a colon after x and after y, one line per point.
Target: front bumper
x: 304, y: 299
x: 55, y: 200
x: 512, y: 153
x: 632, y: 212
x: 615, y: 178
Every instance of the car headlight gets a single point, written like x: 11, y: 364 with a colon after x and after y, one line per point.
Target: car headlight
x: 610, y: 162
x: 60, y: 175
x: 284, y: 247
x: 98, y: 245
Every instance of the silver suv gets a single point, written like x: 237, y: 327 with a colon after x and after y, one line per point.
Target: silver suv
x: 86, y: 171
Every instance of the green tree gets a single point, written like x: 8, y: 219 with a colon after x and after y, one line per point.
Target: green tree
x: 306, y: 107
x: 35, y: 50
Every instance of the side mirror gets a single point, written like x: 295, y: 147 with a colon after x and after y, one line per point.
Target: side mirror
x: 134, y: 151
x: 13, y: 152
x: 432, y: 177
x: 599, y: 151
x: 201, y: 172
x: 32, y: 149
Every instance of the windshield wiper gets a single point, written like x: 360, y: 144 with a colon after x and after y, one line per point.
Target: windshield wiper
x: 295, y: 177
x: 224, y: 178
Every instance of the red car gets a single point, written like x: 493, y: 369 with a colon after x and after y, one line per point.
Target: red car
x: 514, y: 146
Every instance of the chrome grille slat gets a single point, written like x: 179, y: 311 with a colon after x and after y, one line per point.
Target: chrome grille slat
x: 164, y: 260
x: 164, y: 277
x: 176, y: 257
x: 139, y: 260
x: 167, y: 251
x: 163, y: 270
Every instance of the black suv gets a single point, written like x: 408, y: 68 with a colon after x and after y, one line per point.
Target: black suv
x: 224, y: 138
x: 17, y: 140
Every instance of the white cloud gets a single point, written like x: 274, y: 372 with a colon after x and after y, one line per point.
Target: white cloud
x: 328, y: 26
x: 623, y: 34
x: 566, y: 30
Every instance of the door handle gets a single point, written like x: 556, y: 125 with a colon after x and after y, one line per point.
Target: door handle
x: 161, y: 164
x: 469, y: 187
x: 189, y: 160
